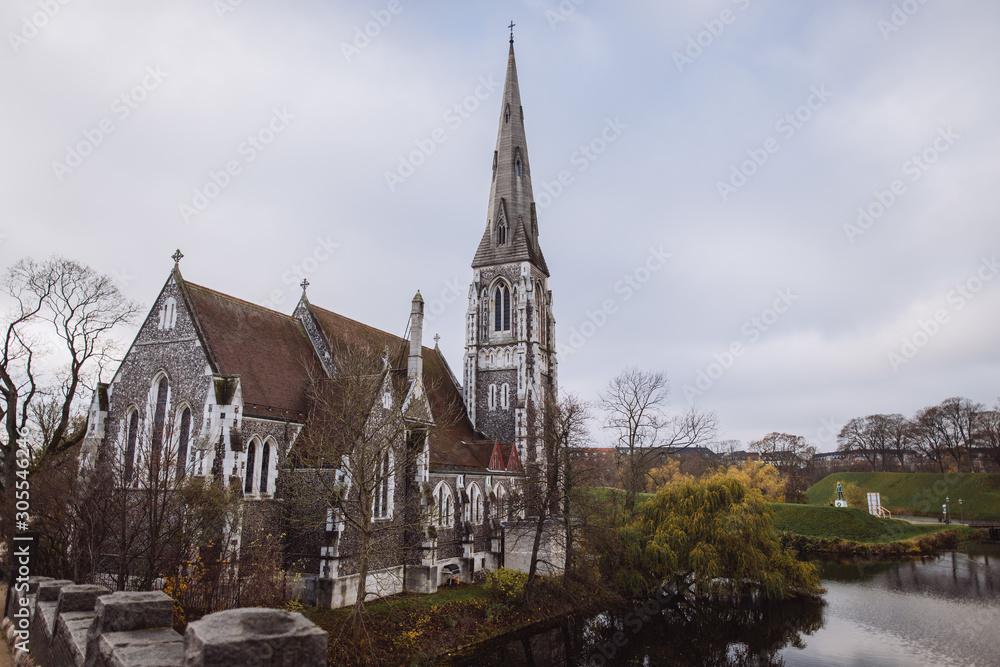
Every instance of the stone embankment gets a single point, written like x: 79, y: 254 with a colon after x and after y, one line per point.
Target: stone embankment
x: 61, y: 624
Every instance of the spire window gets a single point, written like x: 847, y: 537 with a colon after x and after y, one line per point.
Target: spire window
x: 517, y: 168
x: 506, y: 113
x: 501, y: 308
x: 502, y: 233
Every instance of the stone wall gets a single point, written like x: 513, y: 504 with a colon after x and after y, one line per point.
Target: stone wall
x: 519, y: 537
x: 57, y: 623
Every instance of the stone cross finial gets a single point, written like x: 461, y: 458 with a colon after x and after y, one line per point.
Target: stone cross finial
x: 177, y: 257
x: 437, y: 337
x: 304, y: 284
x: 511, y: 26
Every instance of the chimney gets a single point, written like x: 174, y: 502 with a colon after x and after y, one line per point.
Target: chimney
x: 415, y: 367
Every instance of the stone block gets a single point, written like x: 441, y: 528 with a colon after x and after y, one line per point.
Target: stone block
x: 141, y: 648
x: 48, y: 591
x: 69, y: 645
x: 33, y: 583
x: 254, y: 638
x: 125, y: 612
x: 421, y: 579
x: 82, y: 597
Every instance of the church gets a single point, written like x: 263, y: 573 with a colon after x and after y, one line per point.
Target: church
x: 226, y: 382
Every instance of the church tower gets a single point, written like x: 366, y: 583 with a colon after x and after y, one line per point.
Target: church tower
x: 510, y: 351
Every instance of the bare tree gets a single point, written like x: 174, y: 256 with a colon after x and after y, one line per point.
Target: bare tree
x: 878, y: 438
x: 949, y: 430
x: 564, y: 430
x: 989, y: 433
x: 66, y: 302
x: 635, y: 406
x: 927, y: 438
x: 358, y: 460
x: 790, y: 454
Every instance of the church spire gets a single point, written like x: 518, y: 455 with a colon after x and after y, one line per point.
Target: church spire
x: 511, y: 225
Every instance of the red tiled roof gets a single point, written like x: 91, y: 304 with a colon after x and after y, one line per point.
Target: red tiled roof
x: 268, y: 350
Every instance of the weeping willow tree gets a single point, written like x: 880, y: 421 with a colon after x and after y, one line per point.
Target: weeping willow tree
x: 707, y: 538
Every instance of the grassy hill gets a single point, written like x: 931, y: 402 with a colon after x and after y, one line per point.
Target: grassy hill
x: 920, y: 493
x: 846, y: 523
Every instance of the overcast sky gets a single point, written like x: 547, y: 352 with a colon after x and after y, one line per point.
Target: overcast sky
x: 740, y: 138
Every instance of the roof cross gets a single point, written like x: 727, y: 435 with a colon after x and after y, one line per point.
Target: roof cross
x: 177, y: 257
x: 437, y: 338
x: 511, y: 26
x: 304, y: 284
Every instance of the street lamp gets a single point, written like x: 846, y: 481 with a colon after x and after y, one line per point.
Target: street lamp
x: 961, y: 509
x: 947, y: 510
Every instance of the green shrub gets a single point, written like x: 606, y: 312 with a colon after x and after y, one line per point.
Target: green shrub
x: 506, y: 585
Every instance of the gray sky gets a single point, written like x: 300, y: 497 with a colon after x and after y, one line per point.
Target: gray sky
x: 741, y: 138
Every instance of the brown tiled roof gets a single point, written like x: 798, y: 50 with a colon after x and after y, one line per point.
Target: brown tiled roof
x: 455, y: 444
x: 269, y: 351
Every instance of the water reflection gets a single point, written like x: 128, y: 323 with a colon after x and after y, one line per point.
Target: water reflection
x: 936, y: 611
x: 745, y: 633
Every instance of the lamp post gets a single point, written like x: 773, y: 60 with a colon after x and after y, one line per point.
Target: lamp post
x: 947, y: 510
x: 961, y: 509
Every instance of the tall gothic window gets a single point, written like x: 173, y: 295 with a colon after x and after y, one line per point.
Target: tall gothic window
x: 131, y: 434
x: 444, y: 511
x: 251, y: 455
x: 159, y: 416
x: 381, y: 508
x: 501, y: 308
x: 502, y: 233
x: 265, y: 467
x: 517, y: 167
x: 182, y: 442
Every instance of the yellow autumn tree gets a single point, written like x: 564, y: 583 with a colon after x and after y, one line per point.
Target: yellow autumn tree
x: 761, y: 476
x: 710, y: 537
x: 667, y: 474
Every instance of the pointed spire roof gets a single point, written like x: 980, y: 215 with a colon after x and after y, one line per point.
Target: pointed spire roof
x: 511, y: 225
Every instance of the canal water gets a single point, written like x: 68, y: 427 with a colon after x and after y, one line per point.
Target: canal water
x: 935, y: 611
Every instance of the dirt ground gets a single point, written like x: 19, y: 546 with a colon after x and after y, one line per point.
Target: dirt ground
x: 5, y: 660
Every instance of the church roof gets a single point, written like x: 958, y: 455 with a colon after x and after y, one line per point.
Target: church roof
x: 454, y: 442
x: 511, y: 200
x: 269, y: 351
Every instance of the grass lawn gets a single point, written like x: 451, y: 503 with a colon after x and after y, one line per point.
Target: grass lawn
x: 847, y: 523
x: 920, y: 493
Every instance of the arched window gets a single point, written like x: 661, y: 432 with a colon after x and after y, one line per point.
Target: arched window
x: 443, y: 502
x: 182, y: 442
x: 168, y: 314
x: 475, y: 504
x: 505, y: 396
x: 501, y: 503
x: 517, y: 168
x: 506, y: 113
x: 501, y: 308
x: 502, y: 233
x: 251, y: 455
x: 131, y: 435
x: 383, y: 488
x: 159, y: 416
x: 491, y: 401
x: 265, y: 467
